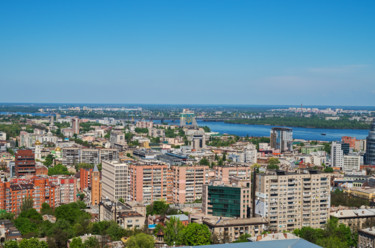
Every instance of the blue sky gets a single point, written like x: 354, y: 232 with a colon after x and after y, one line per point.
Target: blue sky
x: 202, y: 52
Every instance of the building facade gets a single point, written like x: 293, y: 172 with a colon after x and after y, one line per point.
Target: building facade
x: 292, y: 200
x: 115, y: 180
x: 25, y: 163
x: 281, y: 139
x: 370, y: 146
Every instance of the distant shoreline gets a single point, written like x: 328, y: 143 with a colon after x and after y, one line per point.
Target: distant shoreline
x: 362, y: 127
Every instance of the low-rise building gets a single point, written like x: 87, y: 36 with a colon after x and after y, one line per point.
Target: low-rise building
x: 366, y: 238
x: 230, y: 229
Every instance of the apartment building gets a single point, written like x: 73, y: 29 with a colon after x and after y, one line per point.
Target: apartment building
x: 351, y: 163
x: 115, y: 180
x: 188, y: 182
x: 25, y: 163
x: 71, y: 156
x: 225, y: 173
x: 74, y: 155
x: 85, y: 178
x: 41, y: 190
x: 292, y: 200
x: 67, y: 190
x: 90, y: 156
x: 148, y: 183
x: 109, y: 154
x: 337, y: 155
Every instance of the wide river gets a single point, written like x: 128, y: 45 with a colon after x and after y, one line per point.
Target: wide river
x: 298, y: 132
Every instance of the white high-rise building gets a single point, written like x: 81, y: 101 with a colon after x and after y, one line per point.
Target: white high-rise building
x: 115, y: 180
x: 337, y: 155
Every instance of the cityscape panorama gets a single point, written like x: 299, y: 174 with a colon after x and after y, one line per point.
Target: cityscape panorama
x: 213, y: 124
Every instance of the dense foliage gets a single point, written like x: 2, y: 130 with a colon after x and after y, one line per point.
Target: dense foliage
x: 334, y: 235
x: 175, y: 233
x: 339, y: 198
x: 58, y: 169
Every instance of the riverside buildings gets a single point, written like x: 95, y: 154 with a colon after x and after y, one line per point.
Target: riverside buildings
x: 282, y: 139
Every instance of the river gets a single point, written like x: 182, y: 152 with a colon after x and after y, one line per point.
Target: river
x: 298, y: 132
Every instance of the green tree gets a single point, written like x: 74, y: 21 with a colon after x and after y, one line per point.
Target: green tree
x: 6, y: 216
x: 173, y: 234
x: 91, y: 242
x: 273, y: 164
x: 121, y: 200
x: 196, y: 234
x: 58, y: 170
x: 328, y: 169
x: 32, y: 243
x: 204, y: 161
x: 48, y: 160
x: 140, y: 240
x: 27, y: 203
x: 157, y: 207
x: 206, y: 129
x: 243, y: 238
x: 46, y: 209
x: 76, y: 243
x: 11, y: 244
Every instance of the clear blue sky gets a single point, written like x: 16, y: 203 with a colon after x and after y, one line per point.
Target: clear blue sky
x: 203, y: 52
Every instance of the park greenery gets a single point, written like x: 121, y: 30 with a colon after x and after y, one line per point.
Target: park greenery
x: 334, y: 235
x: 141, y: 130
x: 340, y: 198
x: 273, y: 164
x: 58, y: 169
x: 88, y: 126
x: 71, y: 221
x: 160, y: 208
x: 312, y: 122
x: 175, y: 233
x: 223, y: 141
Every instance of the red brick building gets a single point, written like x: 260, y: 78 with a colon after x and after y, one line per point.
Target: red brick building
x: 25, y: 163
x: 85, y: 178
x: 41, y: 190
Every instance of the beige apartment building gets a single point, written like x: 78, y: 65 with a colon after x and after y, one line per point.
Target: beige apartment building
x: 225, y: 173
x: 293, y: 200
x: 148, y: 183
x: 115, y: 180
x: 188, y: 182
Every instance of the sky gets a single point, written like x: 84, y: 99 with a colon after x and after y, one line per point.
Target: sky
x: 188, y: 52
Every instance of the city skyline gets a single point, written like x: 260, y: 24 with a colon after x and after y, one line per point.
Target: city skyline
x: 188, y: 52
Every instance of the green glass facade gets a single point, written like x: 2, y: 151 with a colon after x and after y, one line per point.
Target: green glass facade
x: 224, y: 201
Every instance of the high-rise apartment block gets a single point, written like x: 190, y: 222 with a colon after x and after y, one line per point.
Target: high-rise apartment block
x: 337, y: 155
x: 281, y: 139
x: 148, y: 183
x: 292, y: 200
x: 115, y: 180
x: 25, y: 163
x: 188, y: 182
x: 370, y: 146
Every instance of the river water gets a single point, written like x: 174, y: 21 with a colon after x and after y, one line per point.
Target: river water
x: 298, y: 132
